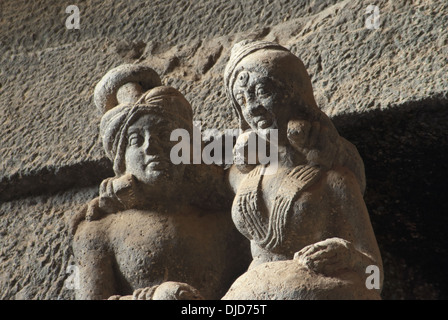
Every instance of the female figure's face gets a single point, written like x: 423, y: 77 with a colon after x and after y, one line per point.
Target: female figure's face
x: 148, y: 150
x: 264, y: 105
x: 256, y: 97
x: 272, y: 87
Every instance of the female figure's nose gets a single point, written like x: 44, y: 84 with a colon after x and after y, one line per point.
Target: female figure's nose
x: 254, y: 107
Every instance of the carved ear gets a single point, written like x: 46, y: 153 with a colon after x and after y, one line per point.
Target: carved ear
x: 298, y: 133
x: 105, y: 95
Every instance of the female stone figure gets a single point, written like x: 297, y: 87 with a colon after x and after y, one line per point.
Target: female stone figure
x: 151, y: 233
x: 309, y: 229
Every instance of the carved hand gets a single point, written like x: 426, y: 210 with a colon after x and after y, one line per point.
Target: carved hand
x: 144, y: 293
x: 115, y: 194
x: 124, y: 189
x: 168, y: 290
x: 329, y: 257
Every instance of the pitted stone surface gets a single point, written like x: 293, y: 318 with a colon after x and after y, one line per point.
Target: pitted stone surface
x: 48, y: 73
x: 35, y: 245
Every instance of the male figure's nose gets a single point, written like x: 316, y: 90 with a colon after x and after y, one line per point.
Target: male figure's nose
x: 152, y: 145
x: 148, y: 145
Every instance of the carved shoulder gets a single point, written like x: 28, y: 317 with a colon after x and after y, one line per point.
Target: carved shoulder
x: 234, y: 178
x: 91, y: 235
x: 343, y: 183
x: 352, y: 218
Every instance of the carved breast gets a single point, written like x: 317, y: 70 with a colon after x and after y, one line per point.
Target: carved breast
x: 269, y: 209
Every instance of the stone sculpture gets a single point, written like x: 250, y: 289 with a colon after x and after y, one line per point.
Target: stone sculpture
x: 309, y: 229
x: 157, y: 230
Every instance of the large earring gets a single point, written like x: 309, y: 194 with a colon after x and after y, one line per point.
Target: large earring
x: 243, y: 78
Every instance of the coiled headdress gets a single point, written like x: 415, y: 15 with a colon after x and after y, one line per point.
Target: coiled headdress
x: 162, y: 100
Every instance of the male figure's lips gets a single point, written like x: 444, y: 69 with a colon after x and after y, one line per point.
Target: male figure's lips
x: 157, y: 161
x: 151, y: 158
x: 154, y: 165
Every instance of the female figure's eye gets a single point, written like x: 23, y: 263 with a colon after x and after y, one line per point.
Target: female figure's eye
x: 135, y: 139
x: 262, y: 92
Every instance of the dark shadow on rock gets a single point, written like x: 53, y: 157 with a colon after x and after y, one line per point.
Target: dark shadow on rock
x: 54, y: 180
x: 405, y: 152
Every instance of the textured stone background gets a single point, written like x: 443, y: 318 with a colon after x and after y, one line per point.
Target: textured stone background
x: 386, y: 90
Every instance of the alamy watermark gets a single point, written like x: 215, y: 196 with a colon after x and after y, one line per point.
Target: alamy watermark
x: 373, y: 18
x: 72, y: 21
x: 73, y: 280
x: 373, y: 280
x: 251, y: 147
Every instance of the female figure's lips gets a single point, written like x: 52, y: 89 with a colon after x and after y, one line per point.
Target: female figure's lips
x: 263, y: 124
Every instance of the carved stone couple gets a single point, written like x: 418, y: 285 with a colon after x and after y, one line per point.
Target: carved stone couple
x: 165, y: 231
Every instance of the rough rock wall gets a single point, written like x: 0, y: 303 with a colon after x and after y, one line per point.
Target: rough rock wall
x: 386, y: 90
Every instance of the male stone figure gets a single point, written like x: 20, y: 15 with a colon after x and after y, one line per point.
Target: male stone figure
x: 155, y: 231
x: 309, y: 229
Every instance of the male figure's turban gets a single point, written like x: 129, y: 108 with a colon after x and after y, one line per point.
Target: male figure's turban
x: 162, y: 100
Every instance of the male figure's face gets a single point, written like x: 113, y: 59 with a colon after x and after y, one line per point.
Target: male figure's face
x: 148, y: 151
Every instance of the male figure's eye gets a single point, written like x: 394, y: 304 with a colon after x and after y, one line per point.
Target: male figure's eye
x: 135, y: 139
x: 165, y: 134
x: 168, y: 127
